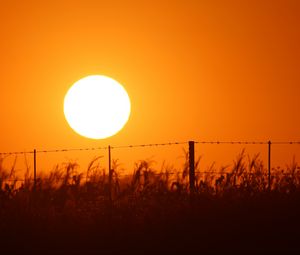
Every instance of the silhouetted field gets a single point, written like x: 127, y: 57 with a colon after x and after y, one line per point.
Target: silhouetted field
x: 232, y: 211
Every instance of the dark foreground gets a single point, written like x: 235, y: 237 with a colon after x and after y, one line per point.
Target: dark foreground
x: 149, y: 213
x: 171, y: 224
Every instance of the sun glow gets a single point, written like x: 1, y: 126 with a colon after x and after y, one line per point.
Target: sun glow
x: 97, y: 107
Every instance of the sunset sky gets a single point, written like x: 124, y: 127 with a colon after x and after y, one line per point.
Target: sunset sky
x: 194, y: 70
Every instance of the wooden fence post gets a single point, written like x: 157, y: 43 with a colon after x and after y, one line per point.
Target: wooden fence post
x: 269, y: 165
x: 34, y: 169
x: 192, y: 166
x: 109, y: 174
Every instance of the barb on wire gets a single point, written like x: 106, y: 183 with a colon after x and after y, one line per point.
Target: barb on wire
x: 230, y: 142
x: 16, y: 152
x: 74, y: 149
x: 51, y: 151
x: 245, y: 142
x: 147, y: 145
x: 291, y: 142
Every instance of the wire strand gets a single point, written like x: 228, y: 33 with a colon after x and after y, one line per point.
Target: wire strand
x: 151, y: 145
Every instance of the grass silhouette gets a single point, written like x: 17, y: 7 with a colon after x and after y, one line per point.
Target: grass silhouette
x: 231, y: 210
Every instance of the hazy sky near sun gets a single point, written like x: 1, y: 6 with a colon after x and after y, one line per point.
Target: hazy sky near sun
x: 202, y: 70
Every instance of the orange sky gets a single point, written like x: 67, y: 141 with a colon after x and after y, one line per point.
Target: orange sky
x: 202, y: 70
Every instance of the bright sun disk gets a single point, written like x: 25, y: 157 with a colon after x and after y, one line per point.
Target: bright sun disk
x: 97, y: 107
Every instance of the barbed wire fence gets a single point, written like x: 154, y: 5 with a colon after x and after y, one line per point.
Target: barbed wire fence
x: 191, y: 154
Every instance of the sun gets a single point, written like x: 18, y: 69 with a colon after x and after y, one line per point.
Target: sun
x: 97, y: 107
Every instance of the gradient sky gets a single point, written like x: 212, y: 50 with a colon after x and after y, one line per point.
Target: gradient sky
x: 202, y: 70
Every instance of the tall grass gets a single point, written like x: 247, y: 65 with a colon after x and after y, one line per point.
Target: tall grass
x: 150, y: 208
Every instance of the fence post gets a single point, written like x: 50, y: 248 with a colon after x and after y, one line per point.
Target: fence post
x: 192, y: 166
x: 109, y: 173
x: 269, y: 165
x: 34, y: 169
